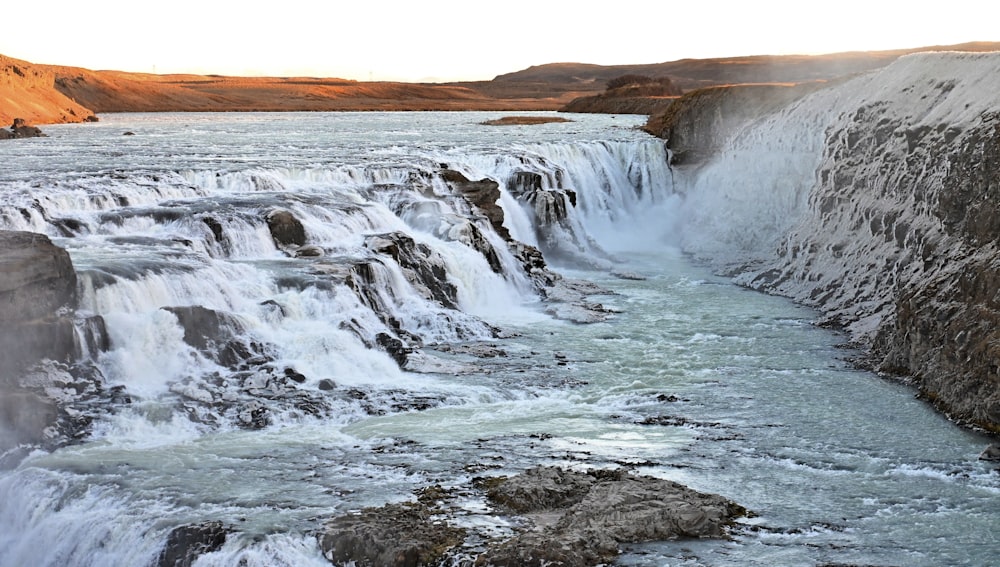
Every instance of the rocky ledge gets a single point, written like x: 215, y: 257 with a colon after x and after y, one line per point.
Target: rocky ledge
x: 42, y: 338
x: 564, y: 518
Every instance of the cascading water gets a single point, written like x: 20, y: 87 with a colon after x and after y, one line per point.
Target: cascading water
x: 403, y: 343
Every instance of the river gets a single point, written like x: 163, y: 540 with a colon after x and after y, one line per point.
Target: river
x: 693, y: 378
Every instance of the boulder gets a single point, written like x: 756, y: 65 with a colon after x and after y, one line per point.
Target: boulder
x: 219, y: 337
x: 37, y: 295
x: 22, y: 129
x: 286, y: 229
x: 991, y: 453
x: 186, y: 543
x: 36, y: 277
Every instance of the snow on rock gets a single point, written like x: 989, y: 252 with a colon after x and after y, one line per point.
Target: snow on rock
x: 875, y: 201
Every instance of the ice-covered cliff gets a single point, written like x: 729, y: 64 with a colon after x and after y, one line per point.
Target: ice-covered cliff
x: 876, y: 201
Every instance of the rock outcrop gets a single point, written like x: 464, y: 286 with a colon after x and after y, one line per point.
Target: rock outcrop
x: 42, y: 340
x: 20, y: 129
x: 37, y: 289
x: 572, y: 519
x: 582, y: 518
x: 698, y: 124
x: 483, y: 194
x: 186, y: 543
x: 395, y: 535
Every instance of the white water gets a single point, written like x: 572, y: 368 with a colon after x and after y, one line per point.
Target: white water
x: 838, y: 465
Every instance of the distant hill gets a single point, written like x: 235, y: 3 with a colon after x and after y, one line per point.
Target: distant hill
x: 45, y: 94
x: 48, y: 93
x: 690, y: 74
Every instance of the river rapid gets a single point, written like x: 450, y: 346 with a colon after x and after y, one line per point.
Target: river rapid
x: 692, y: 378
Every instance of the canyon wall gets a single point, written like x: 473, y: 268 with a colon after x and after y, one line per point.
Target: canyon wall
x: 874, y: 200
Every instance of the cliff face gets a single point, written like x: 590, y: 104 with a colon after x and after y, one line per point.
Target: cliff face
x: 28, y: 91
x: 875, y: 201
x: 699, y: 123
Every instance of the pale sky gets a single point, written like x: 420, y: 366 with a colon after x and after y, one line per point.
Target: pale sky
x: 446, y: 40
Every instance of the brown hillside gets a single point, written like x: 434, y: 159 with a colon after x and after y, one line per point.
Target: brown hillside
x: 113, y: 91
x: 26, y: 92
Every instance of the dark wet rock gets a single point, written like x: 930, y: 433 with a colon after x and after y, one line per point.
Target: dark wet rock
x: 897, y: 241
x: 286, y: 230
x: 219, y: 336
x: 26, y: 343
x: 395, y: 535
x: 565, y: 298
x: 541, y: 488
x: 483, y: 194
x: 20, y: 129
x: 550, y: 207
x: 69, y: 227
x: 670, y: 398
x: 478, y: 350
x: 533, y: 263
x: 628, y: 276
x: 697, y: 125
x: 52, y: 404
x: 581, y: 519
x: 93, y: 333
x: 186, y: 543
x: 394, y: 347
x: 472, y: 236
x: 294, y: 375
x: 560, y: 235
x: 218, y: 232
x: 326, y: 385
x: 422, y: 266
x: 991, y: 453
x: 542, y: 550
x: 253, y: 415
x: 523, y: 182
